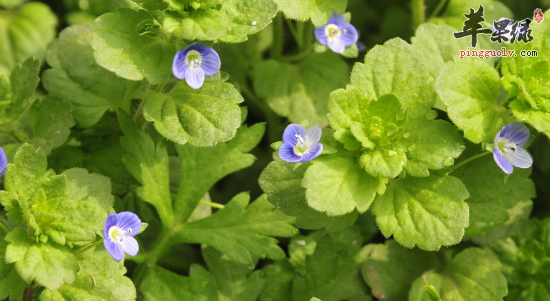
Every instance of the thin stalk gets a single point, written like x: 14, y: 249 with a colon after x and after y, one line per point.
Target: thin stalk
x: 272, y: 118
x: 468, y: 161
x: 438, y: 8
x: 86, y: 248
x: 295, y: 32
x: 212, y: 204
x: 308, y: 35
x: 159, y: 248
x: 3, y: 227
x: 418, y: 13
x: 139, y: 112
x: 277, y: 46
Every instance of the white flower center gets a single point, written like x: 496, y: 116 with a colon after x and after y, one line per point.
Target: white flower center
x: 300, y: 148
x: 193, y: 59
x: 117, y: 234
x: 506, y: 146
x: 333, y: 31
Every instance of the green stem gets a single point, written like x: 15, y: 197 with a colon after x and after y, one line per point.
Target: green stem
x: 418, y: 13
x: 212, y: 204
x: 277, y: 46
x: 295, y: 32
x: 3, y: 227
x: 308, y: 35
x: 161, y: 245
x: 139, y: 113
x: 438, y: 8
x: 298, y: 56
x: 272, y: 118
x: 88, y: 247
x: 467, y: 161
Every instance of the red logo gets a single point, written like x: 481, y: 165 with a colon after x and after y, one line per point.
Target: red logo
x: 538, y: 16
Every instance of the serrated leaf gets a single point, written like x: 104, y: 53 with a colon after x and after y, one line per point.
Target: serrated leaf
x: 148, y: 162
x: 396, y: 68
x: 227, y: 279
x: 78, y: 79
x: 99, y: 278
x: 203, y: 167
x: 20, y: 87
x: 319, y: 11
x: 279, y: 276
x: 119, y: 47
x: 282, y: 183
x: 338, y: 186
x: 471, y: 275
x: 202, y: 117
x: 469, y: 89
x: 91, y: 187
x: 51, y: 121
x: 240, y: 230
x: 161, y: 284
x: 233, y: 21
x: 437, y: 45
x: 426, y: 212
x: 333, y: 270
x: 24, y: 32
x: 300, y: 92
x: 390, y: 269
x: 492, y: 193
x: 11, y: 284
x: 49, y: 265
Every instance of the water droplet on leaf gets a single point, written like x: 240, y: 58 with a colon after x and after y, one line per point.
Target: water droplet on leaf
x: 251, y: 267
x: 431, y: 115
x: 448, y: 161
x: 406, y: 135
x: 392, y: 153
x: 391, y: 129
x: 411, y: 147
x: 401, y: 115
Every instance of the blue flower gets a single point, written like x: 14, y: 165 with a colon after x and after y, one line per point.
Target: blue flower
x: 337, y: 34
x: 299, y: 145
x: 194, y: 63
x: 3, y: 162
x: 119, y: 233
x: 509, y: 143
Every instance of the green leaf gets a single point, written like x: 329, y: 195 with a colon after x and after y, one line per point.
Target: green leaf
x: 231, y: 22
x: 319, y: 11
x: 240, y: 230
x: 79, y: 80
x: 119, y: 47
x: 492, y: 193
x: 338, y: 186
x: 282, y: 182
x: 279, y: 276
x: 430, y: 144
x: 22, y: 83
x: 227, y: 279
x: 471, y: 275
x: 51, y: 122
x: 333, y: 270
x: 99, y: 278
x: 300, y: 92
x: 469, y: 89
x: 161, y: 284
x: 396, y: 68
x: 11, y: 283
x: 40, y: 199
x: 148, y: 163
x: 203, y: 167
x: 48, y: 265
x: 426, y: 212
x: 493, y: 11
x: 437, y: 45
x: 390, y: 269
x: 84, y: 186
x: 25, y: 31
x: 202, y: 117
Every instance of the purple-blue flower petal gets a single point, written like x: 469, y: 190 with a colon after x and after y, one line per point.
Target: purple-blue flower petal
x: 211, y: 62
x: 516, y: 132
x: 520, y: 158
x: 289, y: 135
x: 111, y: 220
x: 350, y: 36
x: 129, y: 220
x: 194, y: 77
x: 114, y: 249
x: 179, y: 66
x: 313, y: 152
x: 286, y: 153
x: 320, y: 35
x: 313, y: 135
x: 3, y: 162
x: 502, y: 162
x: 336, y: 44
x: 130, y: 245
x: 337, y: 19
